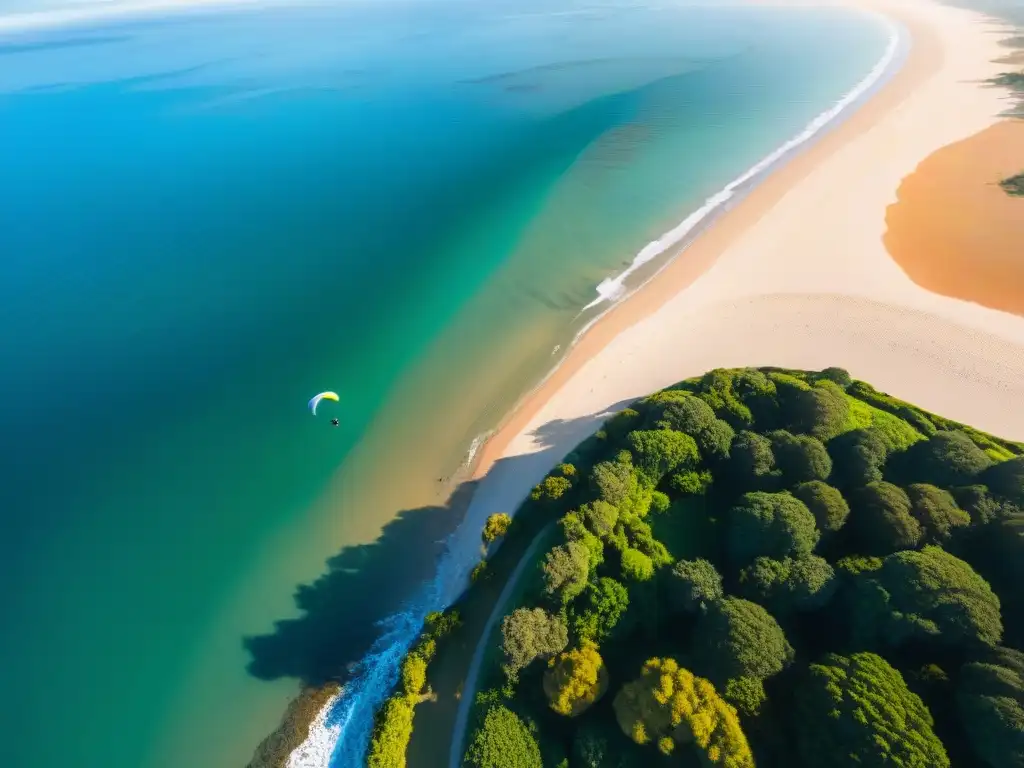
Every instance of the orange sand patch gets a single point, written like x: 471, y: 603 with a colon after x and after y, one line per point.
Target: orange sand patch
x: 954, y: 230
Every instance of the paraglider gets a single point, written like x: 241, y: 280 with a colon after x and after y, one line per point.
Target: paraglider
x: 334, y: 422
x: 315, y: 400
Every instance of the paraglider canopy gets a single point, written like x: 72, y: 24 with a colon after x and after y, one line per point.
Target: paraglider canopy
x: 315, y: 400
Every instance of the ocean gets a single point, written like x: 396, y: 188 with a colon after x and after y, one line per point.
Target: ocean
x: 208, y: 216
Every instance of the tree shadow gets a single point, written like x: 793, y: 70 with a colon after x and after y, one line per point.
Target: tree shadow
x: 342, y: 611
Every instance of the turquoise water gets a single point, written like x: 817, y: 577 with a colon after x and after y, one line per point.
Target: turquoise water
x: 209, y: 217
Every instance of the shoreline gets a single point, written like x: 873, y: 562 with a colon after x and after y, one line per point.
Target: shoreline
x: 682, y: 294
x: 693, y: 259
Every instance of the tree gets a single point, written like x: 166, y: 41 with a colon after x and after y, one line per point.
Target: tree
x: 858, y: 457
x: 785, y: 586
x: 927, y: 595
x: 503, y: 741
x: 820, y: 411
x: 530, y: 634
x: 990, y: 699
x: 800, y: 458
x: 838, y: 376
x: 882, y: 521
x: 636, y: 566
x: 414, y: 674
x: 826, y: 503
x: 982, y: 507
x: 936, y: 511
x: 691, y: 483
x: 858, y: 710
x: 660, y: 451
x: 603, y: 607
x: 551, y: 488
x: 566, y: 568
x: 391, y: 733
x: 736, y: 638
x: 751, y: 458
x: 714, y: 442
x: 613, y: 481
x: 1007, y: 479
x: 746, y: 694
x: 681, y: 411
x: 694, y: 582
x: 672, y: 706
x: 771, y: 524
x: 600, y: 517
x: 946, y: 460
x: 575, y: 680
x: 495, y: 527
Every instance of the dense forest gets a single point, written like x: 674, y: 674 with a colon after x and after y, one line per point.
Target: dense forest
x: 764, y: 567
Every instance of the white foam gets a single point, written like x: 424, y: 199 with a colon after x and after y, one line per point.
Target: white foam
x: 613, y: 288
x: 315, y: 751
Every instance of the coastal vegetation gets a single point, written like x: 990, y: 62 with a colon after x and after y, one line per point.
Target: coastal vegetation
x: 763, y: 567
x: 1015, y: 184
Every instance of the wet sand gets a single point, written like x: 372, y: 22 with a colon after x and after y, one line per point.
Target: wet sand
x: 954, y: 230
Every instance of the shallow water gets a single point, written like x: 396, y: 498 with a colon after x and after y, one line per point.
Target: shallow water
x: 208, y: 218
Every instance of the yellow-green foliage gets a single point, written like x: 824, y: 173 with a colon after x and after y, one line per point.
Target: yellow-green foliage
x: 391, y: 733
x: 671, y: 705
x: 414, y: 674
x: 575, y: 680
x: 496, y: 527
x: 478, y: 571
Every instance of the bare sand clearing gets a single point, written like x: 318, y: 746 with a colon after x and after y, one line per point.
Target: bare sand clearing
x: 954, y: 230
x: 797, y: 275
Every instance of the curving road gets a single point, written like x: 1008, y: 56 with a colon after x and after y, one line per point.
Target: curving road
x: 469, y: 688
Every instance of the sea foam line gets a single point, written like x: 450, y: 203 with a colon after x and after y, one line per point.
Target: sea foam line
x: 339, y: 737
x: 613, y: 288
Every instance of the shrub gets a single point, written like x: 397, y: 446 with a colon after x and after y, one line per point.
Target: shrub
x: 858, y: 710
x: 800, y: 458
x: 751, y: 458
x: 837, y: 376
x: 882, y: 519
x: 495, y: 527
x: 530, y: 634
x: 927, y: 595
x: 660, y: 503
x: 660, y: 451
x: 858, y: 457
x: 671, y: 706
x: 600, y: 517
x: 936, y: 511
x: 826, y: 503
x: 636, y: 566
x: 775, y: 525
x: 946, y: 460
x: 604, y: 605
x: 503, y: 741
x: 691, y: 483
x: 575, y: 680
x: 1007, y: 479
x: 613, y: 481
x: 785, y: 586
x: 694, y: 582
x: 820, y: 411
x: 746, y: 694
x: 736, y: 638
x: 990, y: 700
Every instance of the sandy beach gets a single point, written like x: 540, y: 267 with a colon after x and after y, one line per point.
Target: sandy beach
x: 798, y: 275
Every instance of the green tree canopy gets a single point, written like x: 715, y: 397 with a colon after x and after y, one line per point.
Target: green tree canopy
x: 936, y: 511
x: 1007, y: 479
x: 496, y: 527
x: 826, y: 503
x: 530, y: 634
x: 636, y: 566
x: 660, y: 451
x: 682, y: 411
x: 670, y: 706
x: 775, y: 525
x: 693, y: 582
x: 982, y: 506
x: 990, y: 699
x: 751, y: 458
x: 600, y: 517
x: 503, y: 741
x: 391, y: 734
x: 882, y: 520
x: 746, y: 694
x: 820, y: 411
x: 839, y: 376
x: 613, y: 481
x: 927, y: 595
x: 785, y: 586
x: 858, y: 457
x: 946, y: 460
x: 737, y: 638
x: 600, y: 610
x: 857, y: 710
x: 575, y: 680
x: 566, y: 568
x: 800, y: 458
